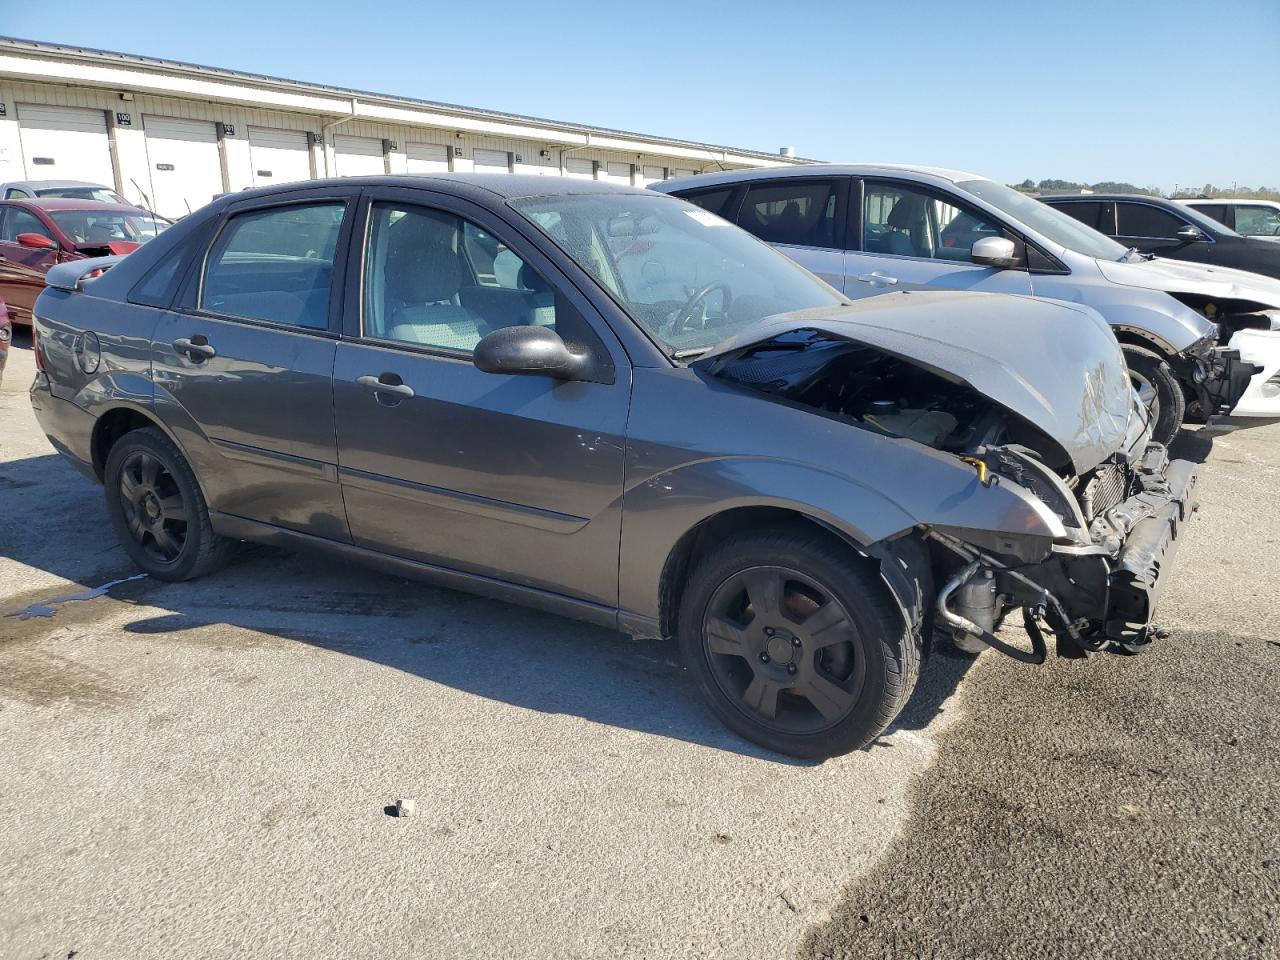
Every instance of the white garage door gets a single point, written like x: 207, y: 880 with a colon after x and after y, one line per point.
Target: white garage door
x: 618, y: 172
x: 682, y: 172
x: 278, y: 156
x: 186, y: 172
x: 65, y: 143
x: 491, y: 161
x: 427, y: 158
x: 648, y: 175
x: 358, y: 156
x: 577, y: 167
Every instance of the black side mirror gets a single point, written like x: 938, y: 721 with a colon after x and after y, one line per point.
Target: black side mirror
x: 538, y: 351
x: 1191, y: 234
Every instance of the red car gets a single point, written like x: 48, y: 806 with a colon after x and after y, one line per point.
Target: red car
x: 36, y: 234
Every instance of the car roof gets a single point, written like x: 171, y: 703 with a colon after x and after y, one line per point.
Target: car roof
x: 1109, y: 197
x: 481, y: 187
x: 69, y: 203
x: 52, y: 184
x: 819, y: 170
x: 1200, y: 201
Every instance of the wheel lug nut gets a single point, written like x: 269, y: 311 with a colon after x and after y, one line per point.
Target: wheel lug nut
x: 791, y: 668
x: 795, y: 641
x: 764, y: 658
x: 768, y: 631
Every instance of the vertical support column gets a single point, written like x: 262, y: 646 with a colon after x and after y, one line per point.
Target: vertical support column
x: 237, y: 162
x: 129, y: 156
x: 395, y: 156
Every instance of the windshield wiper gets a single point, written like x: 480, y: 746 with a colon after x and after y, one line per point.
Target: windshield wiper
x: 689, y: 354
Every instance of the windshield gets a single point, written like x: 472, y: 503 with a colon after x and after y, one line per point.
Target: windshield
x: 88, y: 226
x: 1053, y: 225
x: 1255, y: 221
x: 687, y: 277
x: 97, y: 194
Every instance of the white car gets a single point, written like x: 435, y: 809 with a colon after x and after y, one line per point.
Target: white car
x: 1249, y: 218
x: 1190, y: 332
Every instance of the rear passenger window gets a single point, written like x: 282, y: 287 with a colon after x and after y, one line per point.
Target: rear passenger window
x: 1141, y: 220
x: 1088, y: 212
x: 713, y: 200
x: 801, y: 213
x: 435, y: 280
x: 275, y: 265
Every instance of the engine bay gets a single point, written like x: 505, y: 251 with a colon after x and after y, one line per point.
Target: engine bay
x: 884, y: 393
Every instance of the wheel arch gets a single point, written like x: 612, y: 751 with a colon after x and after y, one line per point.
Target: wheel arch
x: 113, y: 423
x: 715, y: 529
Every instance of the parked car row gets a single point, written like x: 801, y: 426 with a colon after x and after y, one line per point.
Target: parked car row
x: 619, y: 406
x: 1188, y: 332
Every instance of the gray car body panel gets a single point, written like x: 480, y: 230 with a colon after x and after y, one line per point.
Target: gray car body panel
x: 1150, y: 310
x: 554, y: 494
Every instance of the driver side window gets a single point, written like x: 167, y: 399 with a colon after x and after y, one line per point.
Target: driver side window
x: 906, y: 221
x: 436, y: 280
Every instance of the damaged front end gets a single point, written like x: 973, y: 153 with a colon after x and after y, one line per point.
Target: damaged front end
x: 1075, y: 447
x: 1099, y: 585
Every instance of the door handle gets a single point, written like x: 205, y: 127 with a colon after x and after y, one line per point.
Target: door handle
x: 877, y: 279
x: 388, y: 383
x: 196, y: 348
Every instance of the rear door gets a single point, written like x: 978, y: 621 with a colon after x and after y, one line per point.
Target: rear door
x: 913, y: 237
x: 243, y: 366
x: 513, y: 477
x: 804, y: 218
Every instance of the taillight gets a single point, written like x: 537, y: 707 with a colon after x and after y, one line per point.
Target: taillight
x: 35, y: 350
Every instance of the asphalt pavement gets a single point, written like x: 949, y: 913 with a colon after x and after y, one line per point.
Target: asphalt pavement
x: 205, y: 769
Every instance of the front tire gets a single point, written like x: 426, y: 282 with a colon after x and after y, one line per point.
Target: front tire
x: 157, y: 509
x: 1159, y: 390
x: 796, y: 643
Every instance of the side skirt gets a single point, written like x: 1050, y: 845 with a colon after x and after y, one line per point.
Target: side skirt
x: 238, y: 528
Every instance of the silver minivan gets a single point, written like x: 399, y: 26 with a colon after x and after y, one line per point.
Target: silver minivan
x: 1193, y: 335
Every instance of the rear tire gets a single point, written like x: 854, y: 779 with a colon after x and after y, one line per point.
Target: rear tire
x: 1166, y: 401
x: 796, y: 643
x: 157, y: 509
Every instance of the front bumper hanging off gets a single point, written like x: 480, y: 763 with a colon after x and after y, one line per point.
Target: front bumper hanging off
x: 1102, y: 596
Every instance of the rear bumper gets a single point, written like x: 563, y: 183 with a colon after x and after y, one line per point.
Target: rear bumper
x: 69, y: 428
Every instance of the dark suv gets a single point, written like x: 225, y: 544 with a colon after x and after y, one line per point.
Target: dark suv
x: 1169, y: 229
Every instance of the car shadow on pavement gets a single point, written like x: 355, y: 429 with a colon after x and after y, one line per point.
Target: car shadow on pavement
x: 499, y: 651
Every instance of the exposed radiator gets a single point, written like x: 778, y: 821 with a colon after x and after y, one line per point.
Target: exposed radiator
x: 1108, y: 487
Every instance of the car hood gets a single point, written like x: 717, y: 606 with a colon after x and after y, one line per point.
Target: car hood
x: 1179, y: 276
x: 1056, y: 365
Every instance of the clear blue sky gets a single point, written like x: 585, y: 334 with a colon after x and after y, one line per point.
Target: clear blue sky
x: 1180, y: 91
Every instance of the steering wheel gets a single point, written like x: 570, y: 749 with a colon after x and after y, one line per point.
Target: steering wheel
x: 683, y: 317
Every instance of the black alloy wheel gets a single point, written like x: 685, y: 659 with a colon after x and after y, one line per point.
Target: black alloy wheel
x: 782, y: 650
x: 795, y: 641
x: 157, y: 508
x: 154, y: 510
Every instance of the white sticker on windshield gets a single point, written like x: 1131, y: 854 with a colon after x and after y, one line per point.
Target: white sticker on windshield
x: 709, y: 219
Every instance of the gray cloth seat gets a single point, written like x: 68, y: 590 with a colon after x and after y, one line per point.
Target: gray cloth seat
x: 907, y: 220
x: 423, y: 279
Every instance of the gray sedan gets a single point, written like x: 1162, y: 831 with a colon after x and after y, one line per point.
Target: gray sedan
x: 612, y: 404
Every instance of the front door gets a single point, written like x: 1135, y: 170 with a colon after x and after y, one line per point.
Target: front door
x: 513, y: 477
x: 243, y: 368
x: 913, y: 238
x: 22, y: 269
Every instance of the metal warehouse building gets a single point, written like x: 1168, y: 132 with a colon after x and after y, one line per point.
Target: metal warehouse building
x: 170, y: 136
